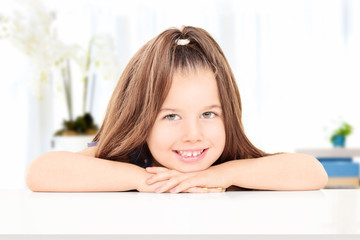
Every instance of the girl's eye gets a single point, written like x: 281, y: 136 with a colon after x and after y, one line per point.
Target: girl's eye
x: 172, y: 117
x: 208, y: 115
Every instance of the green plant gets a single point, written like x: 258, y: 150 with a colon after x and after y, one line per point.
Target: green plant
x: 82, y: 125
x: 345, y: 129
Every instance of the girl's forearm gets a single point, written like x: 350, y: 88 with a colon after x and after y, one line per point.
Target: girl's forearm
x: 277, y: 172
x: 74, y: 172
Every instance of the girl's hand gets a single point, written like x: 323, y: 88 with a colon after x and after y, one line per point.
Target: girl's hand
x: 155, y: 185
x: 142, y: 186
x: 209, y: 180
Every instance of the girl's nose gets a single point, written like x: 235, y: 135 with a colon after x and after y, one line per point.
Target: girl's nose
x: 192, y: 131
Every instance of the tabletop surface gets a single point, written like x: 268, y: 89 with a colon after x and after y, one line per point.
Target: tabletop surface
x: 246, y: 212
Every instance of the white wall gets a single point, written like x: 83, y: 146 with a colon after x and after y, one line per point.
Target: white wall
x: 296, y: 64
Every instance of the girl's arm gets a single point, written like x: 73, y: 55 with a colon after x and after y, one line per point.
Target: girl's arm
x: 287, y: 171
x: 61, y: 171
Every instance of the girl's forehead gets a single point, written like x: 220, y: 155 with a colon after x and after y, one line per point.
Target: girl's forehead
x: 191, y: 71
x: 199, y: 74
x: 193, y: 88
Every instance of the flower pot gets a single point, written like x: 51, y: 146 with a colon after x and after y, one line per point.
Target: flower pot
x: 71, y: 143
x: 338, y: 140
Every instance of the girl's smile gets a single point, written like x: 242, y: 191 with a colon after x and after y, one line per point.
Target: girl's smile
x: 189, y: 134
x: 191, y: 155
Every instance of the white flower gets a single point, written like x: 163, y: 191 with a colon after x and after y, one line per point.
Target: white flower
x: 31, y: 29
x: 104, y: 56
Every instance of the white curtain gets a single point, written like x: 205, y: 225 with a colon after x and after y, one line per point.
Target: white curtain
x: 296, y: 64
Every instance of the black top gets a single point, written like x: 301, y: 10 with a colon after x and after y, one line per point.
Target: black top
x: 136, y: 157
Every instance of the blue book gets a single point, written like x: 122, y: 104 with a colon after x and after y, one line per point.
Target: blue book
x: 341, y: 169
x: 335, y: 159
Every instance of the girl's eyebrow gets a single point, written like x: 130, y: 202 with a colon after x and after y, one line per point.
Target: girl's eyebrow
x: 175, y: 110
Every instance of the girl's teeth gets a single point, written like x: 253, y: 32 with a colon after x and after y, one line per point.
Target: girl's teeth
x: 190, y: 154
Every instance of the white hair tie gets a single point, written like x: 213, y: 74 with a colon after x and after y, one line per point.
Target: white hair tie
x: 182, y: 42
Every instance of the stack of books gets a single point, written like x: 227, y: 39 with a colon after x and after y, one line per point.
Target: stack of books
x: 339, y: 164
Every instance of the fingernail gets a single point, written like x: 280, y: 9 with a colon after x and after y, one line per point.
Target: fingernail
x: 157, y: 189
x: 173, y: 190
x: 149, y: 180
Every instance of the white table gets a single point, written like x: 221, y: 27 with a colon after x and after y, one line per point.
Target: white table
x: 133, y: 215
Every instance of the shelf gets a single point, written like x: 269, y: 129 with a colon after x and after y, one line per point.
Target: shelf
x: 330, y: 152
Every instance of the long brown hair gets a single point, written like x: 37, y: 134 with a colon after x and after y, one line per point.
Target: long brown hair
x: 145, y: 83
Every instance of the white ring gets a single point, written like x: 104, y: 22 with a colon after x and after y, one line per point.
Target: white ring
x: 182, y: 42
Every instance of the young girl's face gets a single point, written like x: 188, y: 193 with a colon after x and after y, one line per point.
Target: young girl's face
x: 189, y: 134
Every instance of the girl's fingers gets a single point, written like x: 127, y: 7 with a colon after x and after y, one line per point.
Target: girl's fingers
x: 198, y: 186
x: 158, y: 176
x: 162, y: 176
x: 205, y: 190
x: 187, y: 184
x: 156, y: 169
x: 168, y: 186
x: 215, y: 190
x: 175, y: 182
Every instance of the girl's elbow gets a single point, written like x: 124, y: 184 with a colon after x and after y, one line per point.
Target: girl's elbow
x: 323, y: 178
x: 36, y: 172
x: 312, y: 174
x: 32, y: 176
x: 31, y: 184
x: 320, y: 177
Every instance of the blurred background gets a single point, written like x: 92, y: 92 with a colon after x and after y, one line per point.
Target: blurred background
x: 297, y: 65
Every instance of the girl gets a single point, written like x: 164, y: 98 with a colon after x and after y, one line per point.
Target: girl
x: 173, y: 124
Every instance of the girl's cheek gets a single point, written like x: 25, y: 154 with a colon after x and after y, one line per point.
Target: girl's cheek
x: 216, y: 129
x: 170, y: 131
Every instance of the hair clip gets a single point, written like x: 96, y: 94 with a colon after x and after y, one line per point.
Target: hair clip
x: 182, y: 42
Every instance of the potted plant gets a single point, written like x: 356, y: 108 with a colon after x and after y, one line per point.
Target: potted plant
x: 32, y: 30
x: 338, y: 138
